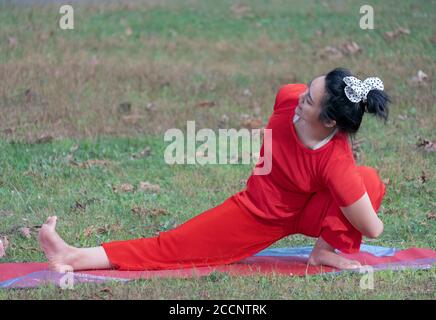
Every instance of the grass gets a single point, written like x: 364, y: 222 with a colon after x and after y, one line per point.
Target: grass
x: 68, y: 85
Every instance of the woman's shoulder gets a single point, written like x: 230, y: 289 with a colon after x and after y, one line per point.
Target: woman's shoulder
x: 340, y: 151
x: 288, y: 95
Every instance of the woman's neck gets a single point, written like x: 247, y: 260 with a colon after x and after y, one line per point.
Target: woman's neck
x: 311, y: 135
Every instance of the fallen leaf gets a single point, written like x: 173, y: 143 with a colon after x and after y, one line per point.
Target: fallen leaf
x: 330, y: 53
x: 420, y: 79
x: 144, y: 212
x: 151, y: 107
x: 240, y: 10
x: 431, y: 215
x: 148, y: 187
x: 93, y: 162
x: 25, y: 232
x: 124, y: 187
x: 81, y: 205
x: 6, y: 213
x: 350, y: 47
x: 74, y: 148
x: 4, y: 243
x: 9, y: 130
x: 12, y: 42
x: 423, y: 177
x: 203, y: 104
x: 129, y: 31
x: 45, y: 138
x: 390, y: 35
x: 89, y: 231
x: 144, y: 153
x: 140, y: 211
x: 133, y: 119
x: 386, y: 181
x: 251, y: 122
x: 223, y: 121
x: 247, y: 92
x: 426, y: 145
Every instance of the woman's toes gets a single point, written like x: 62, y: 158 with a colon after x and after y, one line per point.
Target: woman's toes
x: 351, y: 264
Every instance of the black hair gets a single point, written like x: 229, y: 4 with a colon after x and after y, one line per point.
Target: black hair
x: 348, y: 115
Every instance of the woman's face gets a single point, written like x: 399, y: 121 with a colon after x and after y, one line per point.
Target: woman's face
x: 309, y: 106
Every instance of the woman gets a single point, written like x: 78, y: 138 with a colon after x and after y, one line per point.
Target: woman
x: 314, y: 188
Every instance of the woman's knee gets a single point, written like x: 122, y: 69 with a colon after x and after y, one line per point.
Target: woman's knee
x: 374, y: 185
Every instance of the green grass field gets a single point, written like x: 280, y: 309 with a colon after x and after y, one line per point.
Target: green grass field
x: 199, y: 60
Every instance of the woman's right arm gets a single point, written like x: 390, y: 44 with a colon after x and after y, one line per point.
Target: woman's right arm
x: 362, y: 216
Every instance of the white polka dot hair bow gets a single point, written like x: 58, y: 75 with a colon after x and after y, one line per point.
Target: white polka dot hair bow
x: 357, y: 90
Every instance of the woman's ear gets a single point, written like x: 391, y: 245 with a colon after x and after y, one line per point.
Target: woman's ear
x: 330, y: 123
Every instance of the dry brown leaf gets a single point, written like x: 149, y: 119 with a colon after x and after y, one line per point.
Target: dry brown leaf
x: 423, y: 177
x: 251, y: 122
x: 93, y: 162
x: 102, y: 229
x: 386, y: 181
x: 140, y: 211
x: 224, y: 120
x: 144, y: 153
x: 350, y: 47
x: 25, y: 232
x: 431, y: 215
x: 158, y: 212
x: 426, y: 145
x: 44, y: 138
x: 421, y: 78
x: 247, y: 93
x: 394, y: 34
x: 124, y: 187
x: 9, y: 130
x: 240, y: 10
x: 4, y: 243
x: 133, y: 119
x: 331, y: 53
x: 74, y: 148
x: 6, y: 213
x: 148, y: 187
x: 143, y: 212
x: 13, y: 42
x: 203, y: 104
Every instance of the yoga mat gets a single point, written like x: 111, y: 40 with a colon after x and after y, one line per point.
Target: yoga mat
x: 286, y: 261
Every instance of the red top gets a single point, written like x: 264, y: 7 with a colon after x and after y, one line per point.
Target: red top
x: 297, y: 172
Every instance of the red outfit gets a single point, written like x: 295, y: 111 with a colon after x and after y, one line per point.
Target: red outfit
x: 302, y: 194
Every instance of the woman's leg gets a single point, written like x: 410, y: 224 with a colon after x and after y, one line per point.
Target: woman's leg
x: 324, y: 254
x: 221, y: 235
x: 322, y: 218
x: 63, y: 257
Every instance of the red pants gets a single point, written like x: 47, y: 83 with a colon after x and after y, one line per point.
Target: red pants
x: 228, y: 233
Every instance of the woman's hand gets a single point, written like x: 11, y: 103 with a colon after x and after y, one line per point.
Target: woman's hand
x: 362, y: 216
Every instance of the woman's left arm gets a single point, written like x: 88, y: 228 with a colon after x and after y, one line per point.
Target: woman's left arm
x: 362, y: 216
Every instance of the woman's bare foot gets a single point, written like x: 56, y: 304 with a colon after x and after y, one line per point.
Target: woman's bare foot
x: 60, y: 255
x: 324, y: 254
x: 332, y: 259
